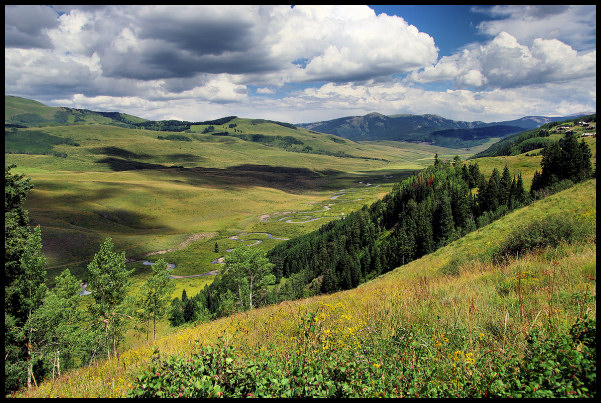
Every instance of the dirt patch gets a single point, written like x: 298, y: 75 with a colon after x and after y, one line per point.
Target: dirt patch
x: 188, y: 241
x: 209, y: 273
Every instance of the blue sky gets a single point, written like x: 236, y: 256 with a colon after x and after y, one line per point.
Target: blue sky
x: 451, y: 26
x: 305, y: 63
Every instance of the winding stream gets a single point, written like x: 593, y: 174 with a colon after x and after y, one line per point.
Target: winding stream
x: 220, y: 260
x: 290, y: 216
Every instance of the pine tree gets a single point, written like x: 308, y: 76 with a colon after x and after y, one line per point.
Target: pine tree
x: 176, y: 312
x: 184, y: 296
x: 424, y: 234
x: 488, y: 198
x: 443, y: 223
x: 16, y: 235
x: 537, y: 183
x: 505, y: 187
x: 569, y: 163
x: 584, y: 166
x: 329, y: 283
x: 551, y: 164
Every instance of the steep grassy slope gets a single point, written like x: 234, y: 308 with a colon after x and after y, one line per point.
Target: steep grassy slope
x: 430, y: 328
x: 29, y: 113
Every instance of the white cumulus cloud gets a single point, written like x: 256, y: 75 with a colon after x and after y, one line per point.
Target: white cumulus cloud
x: 504, y: 63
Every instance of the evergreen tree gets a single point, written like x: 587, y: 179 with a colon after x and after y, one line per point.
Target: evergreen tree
x: 517, y: 194
x: 584, y: 166
x: 551, y: 164
x: 189, y: 311
x: 566, y: 159
x: 16, y: 234
x: 405, y: 245
x: 424, y: 233
x: 570, y: 160
x: 16, y: 231
x: 477, y: 179
x: 505, y: 187
x: 329, y: 283
x: 443, y: 223
x: 488, y: 198
x: 176, y: 312
x: 460, y: 203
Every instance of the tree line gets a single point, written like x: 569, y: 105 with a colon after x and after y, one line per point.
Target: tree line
x: 564, y: 163
x: 420, y: 215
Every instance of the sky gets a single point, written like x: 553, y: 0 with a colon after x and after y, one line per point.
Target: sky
x: 301, y: 63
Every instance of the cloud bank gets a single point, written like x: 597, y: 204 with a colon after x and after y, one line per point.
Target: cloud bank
x: 301, y: 63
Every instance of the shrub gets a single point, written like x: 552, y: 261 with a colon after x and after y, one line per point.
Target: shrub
x: 561, y: 366
x: 547, y: 232
x: 408, y: 364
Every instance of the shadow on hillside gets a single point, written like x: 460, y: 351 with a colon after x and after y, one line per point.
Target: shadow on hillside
x: 185, y: 157
x: 242, y: 176
x: 118, y: 152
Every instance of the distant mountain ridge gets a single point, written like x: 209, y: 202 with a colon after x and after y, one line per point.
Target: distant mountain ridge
x: 429, y: 128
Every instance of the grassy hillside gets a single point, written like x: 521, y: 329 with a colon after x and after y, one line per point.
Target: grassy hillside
x: 29, y: 113
x: 453, y: 323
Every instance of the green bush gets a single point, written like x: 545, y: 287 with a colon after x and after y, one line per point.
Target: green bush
x: 547, y: 232
x: 561, y: 366
x: 410, y: 364
x: 174, y: 137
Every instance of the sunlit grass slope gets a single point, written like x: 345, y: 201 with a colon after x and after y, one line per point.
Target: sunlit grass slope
x: 458, y: 310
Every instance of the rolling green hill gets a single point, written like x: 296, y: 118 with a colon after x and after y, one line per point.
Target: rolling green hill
x: 23, y: 112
